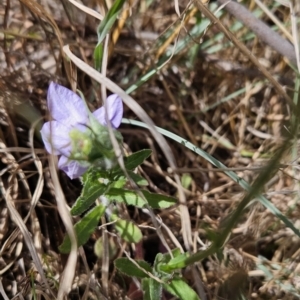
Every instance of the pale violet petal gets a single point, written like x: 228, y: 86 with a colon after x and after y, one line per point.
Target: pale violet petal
x: 71, y: 167
x: 114, y: 109
x: 66, y: 106
x: 99, y: 114
x: 63, y: 161
x: 56, y: 138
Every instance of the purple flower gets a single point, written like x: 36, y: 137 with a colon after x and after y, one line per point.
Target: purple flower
x: 69, y: 113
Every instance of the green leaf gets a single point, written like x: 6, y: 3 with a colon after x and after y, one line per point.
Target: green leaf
x: 162, y: 262
x: 104, y: 28
x: 166, y: 257
x: 178, y: 261
x: 119, y: 183
x: 127, y: 267
x: 158, y: 200
x: 136, y: 159
x: 89, y: 194
x: 93, y: 187
x: 127, y: 230
x: 186, y: 180
x: 113, y: 248
x: 98, y: 55
x: 138, y: 179
x: 133, y: 198
x: 181, y: 289
x: 152, y: 289
x: 125, y: 196
x: 84, y: 228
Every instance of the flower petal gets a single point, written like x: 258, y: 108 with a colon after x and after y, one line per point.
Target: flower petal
x: 71, y: 167
x: 56, y: 138
x: 114, y: 109
x: 66, y: 106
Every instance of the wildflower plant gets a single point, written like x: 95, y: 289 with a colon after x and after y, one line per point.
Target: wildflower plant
x: 81, y: 140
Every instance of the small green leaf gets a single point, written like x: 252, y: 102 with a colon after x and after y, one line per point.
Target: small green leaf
x: 118, y: 184
x: 133, y: 198
x: 152, y: 289
x: 127, y: 267
x: 87, y: 198
x: 138, y: 179
x: 98, y: 55
x: 125, y: 196
x: 186, y: 180
x: 159, y: 267
x: 181, y: 289
x: 99, y: 249
x: 158, y: 200
x: 93, y: 187
x: 84, y: 228
x: 163, y: 262
x: 178, y: 261
x: 136, y: 159
x: 127, y: 230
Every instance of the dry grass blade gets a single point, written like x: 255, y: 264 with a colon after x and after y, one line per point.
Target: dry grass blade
x: 40, y: 183
x: 28, y: 240
x: 118, y: 152
x: 87, y: 10
x: 69, y: 271
x: 10, y: 244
